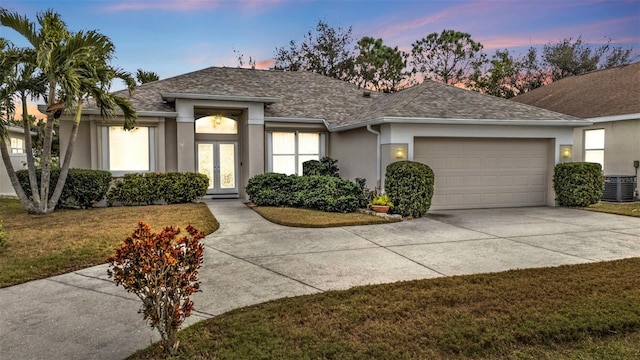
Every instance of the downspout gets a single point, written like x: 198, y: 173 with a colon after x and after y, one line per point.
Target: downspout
x: 378, y: 175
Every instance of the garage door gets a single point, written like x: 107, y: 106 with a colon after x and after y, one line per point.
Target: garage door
x: 485, y: 173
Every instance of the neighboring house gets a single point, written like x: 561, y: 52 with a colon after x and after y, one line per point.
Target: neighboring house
x: 610, y: 99
x: 15, y: 142
x: 232, y: 124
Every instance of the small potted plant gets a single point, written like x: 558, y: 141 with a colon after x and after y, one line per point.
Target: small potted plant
x: 381, y: 203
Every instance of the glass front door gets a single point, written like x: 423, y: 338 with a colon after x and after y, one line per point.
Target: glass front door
x: 218, y: 160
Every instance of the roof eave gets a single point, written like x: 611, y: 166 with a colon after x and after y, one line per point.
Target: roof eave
x: 297, y: 120
x: 452, y: 121
x: 614, y: 118
x: 150, y: 113
x: 172, y: 96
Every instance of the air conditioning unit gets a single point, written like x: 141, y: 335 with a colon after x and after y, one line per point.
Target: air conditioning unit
x: 619, y: 188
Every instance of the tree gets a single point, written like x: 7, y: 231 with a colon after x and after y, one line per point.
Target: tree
x: 241, y: 62
x: 499, y: 80
x: 144, y: 77
x: 507, y: 76
x: 378, y: 66
x: 570, y: 57
x: 324, y: 52
x: 450, y: 57
x: 73, y: 67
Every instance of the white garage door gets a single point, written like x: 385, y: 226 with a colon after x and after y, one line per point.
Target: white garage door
x: 485, y: 173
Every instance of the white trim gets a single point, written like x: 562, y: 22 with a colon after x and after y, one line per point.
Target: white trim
x: 452, y: 121
x: 153, y: 145
x: 171, y: 96
x: 596, y: 120
x: 296, y: 120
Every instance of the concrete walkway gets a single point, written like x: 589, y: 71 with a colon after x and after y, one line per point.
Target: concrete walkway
x: 83, y: 315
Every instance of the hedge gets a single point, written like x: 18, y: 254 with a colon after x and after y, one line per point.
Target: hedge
x: 578, y: 183
x: 150, y: 188
x: 324, y: 193
x: 410, y: 187
x: 82, y: 189
x: 325, y: 167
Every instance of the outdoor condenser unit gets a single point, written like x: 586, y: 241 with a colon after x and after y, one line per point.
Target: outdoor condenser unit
x: 619, y: 188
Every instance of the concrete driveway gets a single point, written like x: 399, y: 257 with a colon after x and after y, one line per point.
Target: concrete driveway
x: 82, y: 315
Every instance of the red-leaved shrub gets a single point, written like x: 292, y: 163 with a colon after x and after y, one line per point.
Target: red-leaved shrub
x: 162, y: 272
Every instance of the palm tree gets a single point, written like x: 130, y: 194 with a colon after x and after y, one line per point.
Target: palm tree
x: 18, y: 77
x: 144, y: 77
x: 74, y: 66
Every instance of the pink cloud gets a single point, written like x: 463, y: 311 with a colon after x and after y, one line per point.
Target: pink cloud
x: 166, y: 5
x: 265, y: 64
x: 187, y: 5
x: 593, y: 33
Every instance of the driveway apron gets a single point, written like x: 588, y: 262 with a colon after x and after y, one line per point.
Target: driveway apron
x: 83, y: 315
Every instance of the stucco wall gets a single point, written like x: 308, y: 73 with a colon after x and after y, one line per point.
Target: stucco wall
x: 81, y: 157
x: 355, y: 151
x: 556, y: 136
x: 621, y: 145
x: 6, y: 189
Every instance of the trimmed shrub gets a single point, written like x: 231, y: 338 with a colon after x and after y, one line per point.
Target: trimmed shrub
x: 366, y: 195
x: 150, y: 188
x: 271, y: 189
x: 179, y: 188
x: 325, y: 193
x: 325, y: 167
x: 82, y: 189
x: 578, y: 183
x: 163, y: 272
x: 409, y: 185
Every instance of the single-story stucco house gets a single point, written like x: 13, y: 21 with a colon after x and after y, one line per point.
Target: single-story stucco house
x: 233, y: 123
x: 610, y: 100
x: 15, y: 143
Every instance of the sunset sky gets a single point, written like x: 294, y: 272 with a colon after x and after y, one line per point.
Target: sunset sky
x: 172, y: 37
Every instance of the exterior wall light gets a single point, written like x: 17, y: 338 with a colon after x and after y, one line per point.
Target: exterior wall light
x: 399, y: 153
x: 566, y: 152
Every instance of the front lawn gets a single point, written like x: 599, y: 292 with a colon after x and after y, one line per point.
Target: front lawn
x: 588, y: 311
x: 317, y: 219
x: 629, y: 209
x: 41, y: 246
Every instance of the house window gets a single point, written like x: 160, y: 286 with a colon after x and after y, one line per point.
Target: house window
x: 594, y: 146
x: 17, y: 145
x: 288, y: 150
x: 216, y: 124
x: 128, y: 151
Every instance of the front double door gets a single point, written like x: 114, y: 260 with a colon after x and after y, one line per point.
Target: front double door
x: 219, y: 161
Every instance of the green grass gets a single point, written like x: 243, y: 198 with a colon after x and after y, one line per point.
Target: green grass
x: 40, y: 246
x: 629, y: 209
x: 317, y: 219
x: 588, y: 311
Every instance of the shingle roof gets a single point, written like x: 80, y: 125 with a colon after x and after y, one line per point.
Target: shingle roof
x: 439, y: 101
x: 299, y: 94
x: 310, y: 95
x: 608, y: 92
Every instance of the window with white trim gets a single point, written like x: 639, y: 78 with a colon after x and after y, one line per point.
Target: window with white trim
x: 288, y: 150
x: 128, y: 151
x: 594, y: 146
x: 17, y: 145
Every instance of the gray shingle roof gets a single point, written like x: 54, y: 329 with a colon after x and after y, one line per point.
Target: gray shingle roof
x: 439, y: 101
x: 608, y: 92
x: 309, y: 95
x: 298, y: 94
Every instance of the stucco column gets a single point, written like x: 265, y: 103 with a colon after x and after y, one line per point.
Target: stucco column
x: 186, y: 147
x: 256, y: 150
x: 185, y: 139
